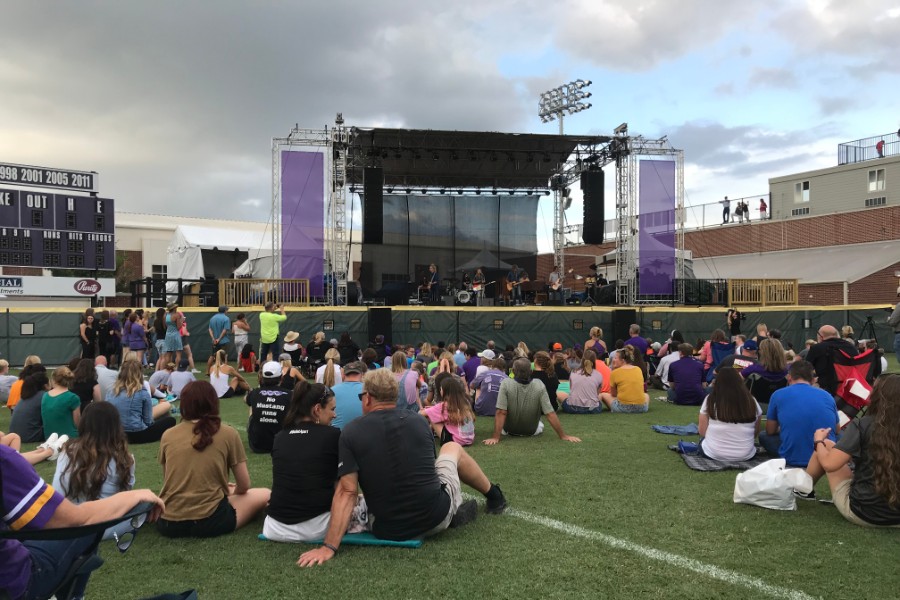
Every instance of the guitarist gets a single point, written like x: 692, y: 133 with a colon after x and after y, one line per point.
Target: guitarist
x: 554, y: 286
x: 514, y: 280
x: 434, y: 285
x: 478, y: 282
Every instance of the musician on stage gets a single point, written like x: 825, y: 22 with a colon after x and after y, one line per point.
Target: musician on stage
x: 478, y: 282
x: 554, y: 286
x: 434, y: 285
x: 514, y: 279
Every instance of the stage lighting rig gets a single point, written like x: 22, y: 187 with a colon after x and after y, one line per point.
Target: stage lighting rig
x: 567, y: 99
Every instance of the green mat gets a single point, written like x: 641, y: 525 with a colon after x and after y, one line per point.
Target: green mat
x: 365, y: 539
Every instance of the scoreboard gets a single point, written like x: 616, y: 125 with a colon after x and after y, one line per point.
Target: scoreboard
x: 56, y: 231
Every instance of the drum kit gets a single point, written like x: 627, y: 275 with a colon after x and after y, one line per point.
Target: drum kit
x: 465, y: 292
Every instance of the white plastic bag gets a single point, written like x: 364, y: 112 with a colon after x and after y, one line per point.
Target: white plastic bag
x: 771, y: 485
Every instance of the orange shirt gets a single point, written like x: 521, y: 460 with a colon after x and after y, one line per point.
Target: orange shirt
x: 607, y: 375
x: 15, y: 394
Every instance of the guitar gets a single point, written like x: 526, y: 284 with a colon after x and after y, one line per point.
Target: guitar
x: 511, y: 284
x: 557, y: 285
x: 477, y: 287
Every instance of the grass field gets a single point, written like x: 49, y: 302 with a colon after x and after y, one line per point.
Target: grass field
x: 618, y: 516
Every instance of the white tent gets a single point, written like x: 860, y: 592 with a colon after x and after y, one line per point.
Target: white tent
x: 257, y: 266
x: 485, y: 259
x: 185, y: 253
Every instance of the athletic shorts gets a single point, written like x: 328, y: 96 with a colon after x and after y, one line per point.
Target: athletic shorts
x: 222, y: 521
x: 448, y: 474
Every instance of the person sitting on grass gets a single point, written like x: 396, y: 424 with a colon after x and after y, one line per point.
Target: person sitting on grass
x: 452, y: 419
x: 247, y: 359
x: 159, y: 380
x: 346, y: 394
x: 304, y: 469
x: 686, y: 378
x: 15, y: 390
x: 97, y: 464
x: 390, y: 453
x: 268, y: 404
x: 584, y: 387
x: 330, y: 373
x: 180, y: 378
x: 290, y: 374
x: 35, y: 568
x: 225, y: 379
x: 627, y: 393
x: 487, y: 387
x: 521, y: 403
x: 60, y: 408
x: 6, y: 380
x: 196, y: 456
x: 26, y: 421
x: 143, y: 422
x: 729, y: 420
x: 868, y: 495
x: 49, y: 450
x: 544, y: 372
x: 771, y: 365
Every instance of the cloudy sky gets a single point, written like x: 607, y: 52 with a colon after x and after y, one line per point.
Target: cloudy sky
x: 175, y: 103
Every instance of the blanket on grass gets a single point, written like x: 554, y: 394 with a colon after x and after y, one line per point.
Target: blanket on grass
x: 365, y: 539
x: 690, y: 429
x: 701, y: 463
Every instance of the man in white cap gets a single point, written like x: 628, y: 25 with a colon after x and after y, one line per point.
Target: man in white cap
x: 894, y: 321
x: 268, y: 404
x: 488, y: 355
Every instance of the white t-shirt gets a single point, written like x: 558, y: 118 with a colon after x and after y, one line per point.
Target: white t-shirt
x: 662, y: 369
x: 320, y: 374
x: 730, y: 441
x: 219, y: 383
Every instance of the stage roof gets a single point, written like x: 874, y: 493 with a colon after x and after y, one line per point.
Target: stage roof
x: 415, y: 158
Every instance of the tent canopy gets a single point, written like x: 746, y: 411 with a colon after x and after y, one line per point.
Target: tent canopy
x: 485, y: 259
x: 185, y: 252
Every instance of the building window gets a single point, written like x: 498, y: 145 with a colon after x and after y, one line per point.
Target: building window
x: 801, y: 191
x: 879, y: 201
x: 876, y: 180
x: 798, y: 212
x: 158, y: 271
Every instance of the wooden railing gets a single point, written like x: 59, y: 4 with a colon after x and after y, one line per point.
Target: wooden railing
x: 257, y: 292
x: 763, y: 292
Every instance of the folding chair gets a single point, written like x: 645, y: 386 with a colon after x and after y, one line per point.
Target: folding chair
x: 855, y: 377
x: 762, y: 388
x: 88, y: 561
x: 719, y: 351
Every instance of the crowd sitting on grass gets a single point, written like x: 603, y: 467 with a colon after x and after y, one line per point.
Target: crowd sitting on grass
x: 374, y: 421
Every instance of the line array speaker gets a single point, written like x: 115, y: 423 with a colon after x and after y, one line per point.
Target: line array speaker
x: 373, y: 205
x: 592, y: 188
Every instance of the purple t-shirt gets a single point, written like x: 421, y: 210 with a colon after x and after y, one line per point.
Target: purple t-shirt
x: 639, y: 343
x: 765, y: 374
x: 27, y: 503
x: 687, y: 373
x: 470, y: 367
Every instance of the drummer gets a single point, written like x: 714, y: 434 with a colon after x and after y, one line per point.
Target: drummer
x: 478, y: 286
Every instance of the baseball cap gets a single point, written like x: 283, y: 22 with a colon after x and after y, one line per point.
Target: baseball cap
x: 557, y: 346
x: 184, y: 364
x: 284, y: 356
x: 271, y: 369
x: 488, y: 354
x: 356, y: 366
x: 751, y: 345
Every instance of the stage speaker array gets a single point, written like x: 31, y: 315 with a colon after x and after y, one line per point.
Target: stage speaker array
x: 381, y: 322
x: 622, y: 319
x: 592, y: 188
x: 373, y: 205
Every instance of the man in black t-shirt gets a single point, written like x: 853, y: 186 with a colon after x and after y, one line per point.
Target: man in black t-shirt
x: 746, y: 358
x: 390, y: 454
x: 821, y: 355
x: 268, y: 404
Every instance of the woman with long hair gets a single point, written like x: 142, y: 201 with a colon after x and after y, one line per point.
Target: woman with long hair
x: 85, y: 384
x: 290, y: 375
x: 868, y: 495
x: 452, y: 419
x: 596, y: 342
x: 304, y: 469
x: 348, y: 350
x: 408, y: 381
x: 159, y: 334
x: 225, y: 379
x: 544, y: 372
x: 87, y: 335
x: 330, y: 372
x: 563, y: 373
x: 729, y: 420
x: 671, y: 346
x: 173, y: 345
x: 240, y: 328
x: 98, y: 463
x: 370, y: 359
x: 720, y: 340
x: 143, y: 422
x: 626, y: 394
x: 772, y: 363
x: 15, y: 390
x: 585, y: 382
x: 137, y: 337
x: 60, y: 408
x: 196, y: 456
x: 26, y: 419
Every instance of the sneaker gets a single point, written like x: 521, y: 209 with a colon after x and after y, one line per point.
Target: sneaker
x: 465, y: 514
x: 497, y: 505
x: 802, y: 496
x: 51, y: 441
x: 57, y: 447
x: 195, y: 370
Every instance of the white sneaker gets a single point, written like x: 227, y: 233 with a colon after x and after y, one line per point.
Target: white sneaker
x: 51, y: 441
x: 57, y: 447
x: 195, y: 370
x: 240, y: 369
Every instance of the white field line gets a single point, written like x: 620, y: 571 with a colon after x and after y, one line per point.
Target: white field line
x: 675, y: 560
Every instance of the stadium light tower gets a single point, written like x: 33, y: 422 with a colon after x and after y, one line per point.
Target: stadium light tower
x: 566, y: 99
x: 553, y: 104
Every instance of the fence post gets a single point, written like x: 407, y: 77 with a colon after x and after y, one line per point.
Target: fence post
x: 180, y: 292
x: 148, y: 289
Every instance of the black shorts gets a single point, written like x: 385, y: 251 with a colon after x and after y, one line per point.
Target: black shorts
x: 229, y: 393
x: 446, y: 436
x: 222, y: 521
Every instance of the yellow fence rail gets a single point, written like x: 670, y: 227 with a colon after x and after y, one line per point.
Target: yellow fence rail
x: 763, y: 292
x: 257, y: 292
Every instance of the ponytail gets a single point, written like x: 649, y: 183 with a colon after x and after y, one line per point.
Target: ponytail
x: 588, y: 362
x: 328, y: 378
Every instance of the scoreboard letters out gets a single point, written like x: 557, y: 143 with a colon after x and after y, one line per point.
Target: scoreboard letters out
x: 60, y: 231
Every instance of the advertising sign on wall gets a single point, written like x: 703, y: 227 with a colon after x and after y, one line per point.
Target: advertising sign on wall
x: 11, y: 287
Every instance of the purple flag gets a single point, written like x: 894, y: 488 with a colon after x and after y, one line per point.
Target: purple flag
x: 656, y: 226
x: 303, y: 218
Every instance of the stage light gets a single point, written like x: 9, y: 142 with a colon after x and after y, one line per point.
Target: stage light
x: 389, y: 190
x: 494, y: 191
x: 408, y: 191
x: 434, y: 156
x: 563, y: 100
x: 424, y: 192
x: 531, y: 192
x: 459, y: 192
x: 511, y: 192
x: 477, y: 191
x: 443, y: 191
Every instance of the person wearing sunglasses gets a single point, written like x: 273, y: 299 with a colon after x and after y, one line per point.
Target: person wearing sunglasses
x: 304, y: 469
x: 390, y: 453
x: 33, y: 569
x: 196, y: 456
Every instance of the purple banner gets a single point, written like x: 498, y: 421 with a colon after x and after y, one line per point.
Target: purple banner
x: 303, y: 218
x: 656, y: 226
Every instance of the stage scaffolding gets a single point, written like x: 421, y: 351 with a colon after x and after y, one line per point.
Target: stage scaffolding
x: 525, y: 169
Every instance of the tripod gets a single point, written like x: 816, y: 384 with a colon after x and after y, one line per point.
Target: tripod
x: 868, y: 330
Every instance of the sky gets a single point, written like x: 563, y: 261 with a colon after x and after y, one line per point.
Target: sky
x: 175, y: 103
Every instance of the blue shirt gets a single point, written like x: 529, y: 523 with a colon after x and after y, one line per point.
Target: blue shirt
x: 348, y: 406
x: 135, y: 412
x: 219, y: 323
x: 800, y: 409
